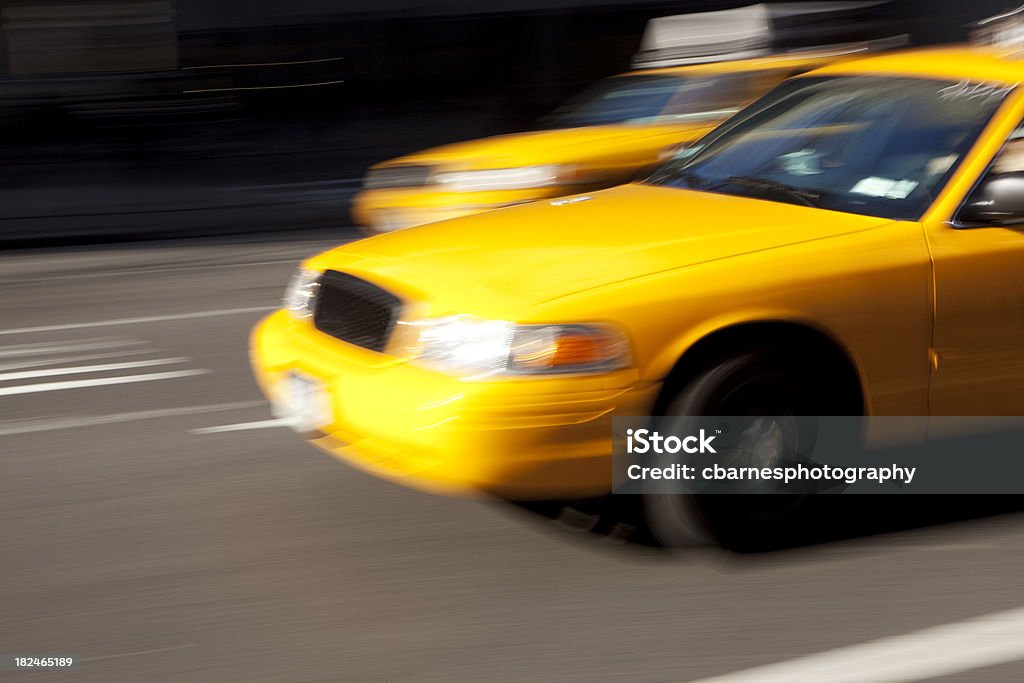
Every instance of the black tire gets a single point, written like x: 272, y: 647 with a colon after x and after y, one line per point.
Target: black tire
x: 767, y: 382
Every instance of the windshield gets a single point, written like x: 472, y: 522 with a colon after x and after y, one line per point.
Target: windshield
x: 860, y: 144
x: 648, y: 99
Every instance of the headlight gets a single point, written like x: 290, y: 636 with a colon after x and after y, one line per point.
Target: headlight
x: 301, y: 292
x: 503, y: 178
x: 474, y: 348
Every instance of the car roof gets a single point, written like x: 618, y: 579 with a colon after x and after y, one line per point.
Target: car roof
x: 960, y: 62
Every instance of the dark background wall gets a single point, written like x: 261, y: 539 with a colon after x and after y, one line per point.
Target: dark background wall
x: 153, y: 116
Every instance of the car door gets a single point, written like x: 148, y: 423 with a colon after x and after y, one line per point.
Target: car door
x: 978, y: 342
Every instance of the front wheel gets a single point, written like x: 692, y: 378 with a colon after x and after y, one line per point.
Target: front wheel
x: 776, y: 384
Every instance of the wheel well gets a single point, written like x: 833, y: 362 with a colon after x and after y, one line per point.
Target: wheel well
x: 812, y: 346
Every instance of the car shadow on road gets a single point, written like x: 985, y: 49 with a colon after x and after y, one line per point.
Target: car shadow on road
x: 618, y: 520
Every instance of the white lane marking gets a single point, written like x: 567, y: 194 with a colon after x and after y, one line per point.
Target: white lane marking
x: 85, y: 369
x: 940, y: 651
x: 136, y: 653
x: 50, y: 424
x: 34, y: 345
x: 147, y: 271
x: 136, y: 321
x: 102, y: 381
x: 43, y: 362
x: 243, y: 426
x: 43, y: 349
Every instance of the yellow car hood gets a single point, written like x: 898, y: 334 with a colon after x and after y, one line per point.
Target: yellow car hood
x: 545, y: 147
x: 502, y: 260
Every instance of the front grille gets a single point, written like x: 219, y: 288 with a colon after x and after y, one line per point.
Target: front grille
x: 397, y: 176
x: 355, y: 311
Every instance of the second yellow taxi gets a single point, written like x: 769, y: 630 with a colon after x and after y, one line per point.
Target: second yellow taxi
x: 609, y: 134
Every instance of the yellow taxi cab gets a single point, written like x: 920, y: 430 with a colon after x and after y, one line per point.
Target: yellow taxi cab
x: 850, y: 244
x: 603, y: 137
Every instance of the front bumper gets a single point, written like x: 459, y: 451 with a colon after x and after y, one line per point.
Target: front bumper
x: 524, y: 438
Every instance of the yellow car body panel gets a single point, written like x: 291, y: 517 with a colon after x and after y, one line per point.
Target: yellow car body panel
x: 599, y: 156
x: 668, y: 267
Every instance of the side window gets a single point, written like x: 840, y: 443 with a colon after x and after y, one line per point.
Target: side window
x: 998, y: 198
x: 1010, y: 159
x: 708, y: 98
x: 712, y: 98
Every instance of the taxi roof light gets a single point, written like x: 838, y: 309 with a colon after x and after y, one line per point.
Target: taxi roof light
x: 1004, y: 30
x: 757, y: 31
x: 738, y: 33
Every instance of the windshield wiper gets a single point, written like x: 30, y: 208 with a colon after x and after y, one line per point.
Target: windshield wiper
x: 807, y: 197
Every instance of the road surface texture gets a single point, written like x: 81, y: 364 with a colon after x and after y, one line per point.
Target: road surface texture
x: 156, y: 525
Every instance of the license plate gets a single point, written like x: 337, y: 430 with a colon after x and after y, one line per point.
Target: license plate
x: 303, y: 403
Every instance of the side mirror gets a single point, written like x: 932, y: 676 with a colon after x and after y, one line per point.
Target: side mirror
x: 997, y: 200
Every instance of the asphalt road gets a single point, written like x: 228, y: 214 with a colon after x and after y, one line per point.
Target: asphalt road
x: 155, y: 549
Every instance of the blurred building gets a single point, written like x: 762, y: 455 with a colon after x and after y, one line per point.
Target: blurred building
x: 141, y: 107
x: 45, y: 38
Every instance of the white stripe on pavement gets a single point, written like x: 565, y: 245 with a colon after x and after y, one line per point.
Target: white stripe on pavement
x: 103, y: 381
x: 43, y: 362
x: 940, y: 651
x: 85, y: 369
x: 136, y: 321
x: 60, y: 347
x: 50, y: 424
x: 243, y: 426
x: 36, y: 345
x: 136, y: 653
x: 148, y: 271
